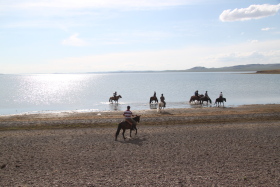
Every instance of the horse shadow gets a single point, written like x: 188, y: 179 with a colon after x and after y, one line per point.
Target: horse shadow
x: 165, y: 113
x: 135, y: 140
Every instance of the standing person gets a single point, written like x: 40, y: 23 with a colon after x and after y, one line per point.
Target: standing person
x: 162, y: 99
x: 127, y: 115
x: 221, y: 95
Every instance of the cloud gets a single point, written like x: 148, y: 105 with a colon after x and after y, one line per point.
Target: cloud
x: 208, y: 56
x: 266, y: 29
x: 252, y: 12
x: 74, y: 41
x: 263, y: 52
x: 112, y: 4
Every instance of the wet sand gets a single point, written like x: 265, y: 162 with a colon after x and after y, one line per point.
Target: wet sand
x: 209, y: 146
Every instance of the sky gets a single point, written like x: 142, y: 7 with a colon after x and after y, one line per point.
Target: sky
x: 76, y: 36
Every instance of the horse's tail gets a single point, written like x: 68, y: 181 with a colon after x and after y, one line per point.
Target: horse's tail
x: 118, y: 131
x: 210, y: 101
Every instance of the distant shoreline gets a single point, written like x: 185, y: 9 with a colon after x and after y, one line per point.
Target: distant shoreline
x: 276, y: 71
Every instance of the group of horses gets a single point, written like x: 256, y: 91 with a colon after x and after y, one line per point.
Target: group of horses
x: 194, y: 99
x: 201, y: 98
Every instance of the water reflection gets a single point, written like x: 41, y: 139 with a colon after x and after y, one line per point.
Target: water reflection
x: 153, y: 105
x: 115, y: 106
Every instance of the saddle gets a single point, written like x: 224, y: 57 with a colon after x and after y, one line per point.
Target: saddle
x: 130, y: 123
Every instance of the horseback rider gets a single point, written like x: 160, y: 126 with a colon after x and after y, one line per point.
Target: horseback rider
x: 115, y: 95
x: 221, y: 95
x: 127, y: 115
x: 196, y: 93
x: 155, y: 94
x: 206, y: 95
x: 162, y: 99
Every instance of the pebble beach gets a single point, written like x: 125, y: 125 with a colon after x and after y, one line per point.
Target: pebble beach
x: 201, y: 146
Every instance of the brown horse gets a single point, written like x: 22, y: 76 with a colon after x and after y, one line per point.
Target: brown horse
x: 196, y: 98
x: 111, y: 99
x: 125, y: 125
x: 153, y: 98
x: 220, y: 100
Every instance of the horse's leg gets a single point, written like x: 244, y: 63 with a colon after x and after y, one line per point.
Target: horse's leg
x: 135, y: 130
x: 118, y: 131
x: 123, y: 134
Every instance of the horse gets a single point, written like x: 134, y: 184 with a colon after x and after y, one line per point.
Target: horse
x: 153, y: 98
x: 125, y: 125
x: 220, y: 100
x: 196, y: 98
x: 202, y: 99
x: 160, y: 106
x: 111, y: 99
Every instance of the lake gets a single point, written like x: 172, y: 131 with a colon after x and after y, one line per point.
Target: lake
x: 44, y: 93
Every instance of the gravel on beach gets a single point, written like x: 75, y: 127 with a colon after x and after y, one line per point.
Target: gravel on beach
x: 238, y: 146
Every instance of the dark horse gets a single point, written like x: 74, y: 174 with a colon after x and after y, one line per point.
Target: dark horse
x: 111, y: 99
x: 220, y: 100
x: 153, y: 98
x: 202, y: 99
x: 125, y: 125
x: 196, y: 98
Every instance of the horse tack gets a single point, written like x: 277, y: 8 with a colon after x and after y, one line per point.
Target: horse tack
x: 130, y: 123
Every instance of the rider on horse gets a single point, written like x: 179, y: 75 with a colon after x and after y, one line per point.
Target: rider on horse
x: 221, y: 95
x: 115, y: 95
x: 162, y: 99
x: 127, y: 114
x: 206, y: 95
x: 196, y: 93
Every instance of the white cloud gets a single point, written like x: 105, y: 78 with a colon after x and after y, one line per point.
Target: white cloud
x: 74, y: 41
x: 266, y: 29
x: 252, y: 12
x: 112, y: 4
x: 253, y: 41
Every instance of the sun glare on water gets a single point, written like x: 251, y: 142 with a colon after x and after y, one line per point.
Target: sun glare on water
x: 51, y: 88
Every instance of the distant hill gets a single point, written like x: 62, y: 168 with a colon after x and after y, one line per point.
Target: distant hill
x: 248, y: 67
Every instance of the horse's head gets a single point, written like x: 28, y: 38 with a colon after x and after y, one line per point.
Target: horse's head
x: 120, y: 96
x: 137, y: 118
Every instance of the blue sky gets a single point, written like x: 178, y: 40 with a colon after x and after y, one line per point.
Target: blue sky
x: 69, y: 36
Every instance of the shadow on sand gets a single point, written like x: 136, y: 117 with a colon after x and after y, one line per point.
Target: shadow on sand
x: 134, y: 140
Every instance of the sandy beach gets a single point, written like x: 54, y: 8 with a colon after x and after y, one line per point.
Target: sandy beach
x: 199, y: 146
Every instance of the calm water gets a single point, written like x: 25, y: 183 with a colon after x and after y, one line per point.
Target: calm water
x: 90, y: 92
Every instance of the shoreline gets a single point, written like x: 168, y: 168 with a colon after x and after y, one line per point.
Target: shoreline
x: 244, y: 113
